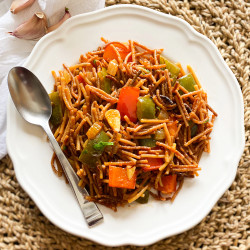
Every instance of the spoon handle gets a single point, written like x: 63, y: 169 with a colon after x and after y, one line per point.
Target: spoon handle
x: 90, y: 210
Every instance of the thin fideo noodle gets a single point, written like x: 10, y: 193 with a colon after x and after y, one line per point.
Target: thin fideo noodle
x: 178, y: 129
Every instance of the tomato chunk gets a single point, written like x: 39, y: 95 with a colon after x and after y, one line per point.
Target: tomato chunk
x: 118, y: 178
x: 169, y: 184
x: 128, y: 99
x: 110, y: 54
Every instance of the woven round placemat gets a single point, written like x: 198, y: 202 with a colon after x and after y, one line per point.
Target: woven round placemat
x: 226, y: 23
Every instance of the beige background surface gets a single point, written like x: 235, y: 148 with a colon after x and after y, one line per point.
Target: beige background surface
x: 226, y: 23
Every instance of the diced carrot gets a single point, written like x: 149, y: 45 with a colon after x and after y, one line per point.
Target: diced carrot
x: 118, y: 178
x: 169, y: 184
x: 154, y: 163
x: 109, y: 52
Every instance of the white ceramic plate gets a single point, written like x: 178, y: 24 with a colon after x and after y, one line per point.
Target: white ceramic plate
x: 137, y: 224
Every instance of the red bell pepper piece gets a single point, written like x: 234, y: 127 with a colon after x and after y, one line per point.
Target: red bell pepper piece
x: 118, y: 178
x: 128, y: 99
x: 154, y: 163
x: 110, y: 54
x: 169, y: 184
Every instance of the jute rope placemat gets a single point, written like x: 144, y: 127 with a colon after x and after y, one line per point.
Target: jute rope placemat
x: 226, y: 23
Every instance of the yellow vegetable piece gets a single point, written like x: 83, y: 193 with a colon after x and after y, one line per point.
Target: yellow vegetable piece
x: 94, y: 130
x: 113, y: 67
x: 163, y: 115
x: 114, y: 119
x: 66, y: 76
x: 130, y: 171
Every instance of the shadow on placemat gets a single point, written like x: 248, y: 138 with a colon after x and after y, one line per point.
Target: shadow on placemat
x: 22, y: 226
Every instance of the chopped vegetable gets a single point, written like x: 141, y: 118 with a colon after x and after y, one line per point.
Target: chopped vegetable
x: 166, y: 100
x: 163, y: 115
x: 114, y: 119
x: 90, y: 155
x: 118, y: 178
x: 113, y: 67
x: 57, y: 115
x: 94, y: 130
x: 154, y: 163
x: 187, y: 82
x: 160, y: 135
x: 145, y: 108
x: 194, y: 128
x: 102, y: 144
x: 109, y: 52
x: 148, y: 142
x: 128, y: 99
x: 144, y: 198
x: 105, y: 82
x: 169, y: 184
x: 173, y: 69
x: 130, y: 172
x: 66, y: 76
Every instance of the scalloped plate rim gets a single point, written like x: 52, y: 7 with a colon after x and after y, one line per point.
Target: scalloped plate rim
x: 136, y: 10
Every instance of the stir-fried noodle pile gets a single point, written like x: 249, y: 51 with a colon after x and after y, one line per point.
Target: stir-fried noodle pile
x: 131, y: 123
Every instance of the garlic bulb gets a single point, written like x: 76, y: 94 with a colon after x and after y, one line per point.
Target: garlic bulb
x: 34, y: 28
x: 18, y: 5
x: 63, y: 19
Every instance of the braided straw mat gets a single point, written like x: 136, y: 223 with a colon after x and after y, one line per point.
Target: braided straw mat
x: 226, y: 23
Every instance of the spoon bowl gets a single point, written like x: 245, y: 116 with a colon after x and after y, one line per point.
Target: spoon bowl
x: 29, y: 95
x: 34, y: 105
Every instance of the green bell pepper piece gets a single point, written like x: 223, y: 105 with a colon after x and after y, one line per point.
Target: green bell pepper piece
x: 173, y: 69
x: 57, y: 115
x: 187, y: 82
x: 105, y: 82
x: 194, y: 128
x: 91, y: 153
x: 144, y: 199
x: 148, y: 142
x: 145, y: 108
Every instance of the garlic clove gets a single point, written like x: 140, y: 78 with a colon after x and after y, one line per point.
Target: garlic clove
x: 18, y: 5
x: 63, y: 19
x: 34, y: 28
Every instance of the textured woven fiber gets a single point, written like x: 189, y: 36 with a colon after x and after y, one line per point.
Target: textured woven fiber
x: 226, y: 23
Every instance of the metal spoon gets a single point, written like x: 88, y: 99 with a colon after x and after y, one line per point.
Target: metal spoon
x: 33, y: 104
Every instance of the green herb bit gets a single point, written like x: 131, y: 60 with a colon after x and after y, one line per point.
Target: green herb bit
x: 100, y: 145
